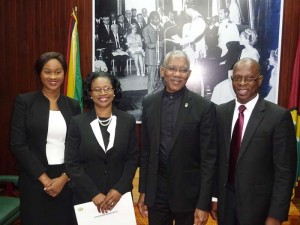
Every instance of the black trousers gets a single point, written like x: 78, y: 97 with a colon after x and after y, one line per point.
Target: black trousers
x: 161, y: 214
x: 231, y: 216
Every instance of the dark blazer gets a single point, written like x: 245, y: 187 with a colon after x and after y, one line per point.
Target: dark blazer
x: 124, y: 30
x: 30, y: 128
x: 91, y: 170
x: 192, y: 159
x: 266, y: 165
x: 103, y: 35
x: 131, y: 21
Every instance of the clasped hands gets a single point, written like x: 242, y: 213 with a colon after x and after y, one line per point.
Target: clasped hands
x: 108, y: 202
x: 53, y: 186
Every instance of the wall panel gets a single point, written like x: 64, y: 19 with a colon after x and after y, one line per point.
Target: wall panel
x: 29, y: 28
x: 290, y: 33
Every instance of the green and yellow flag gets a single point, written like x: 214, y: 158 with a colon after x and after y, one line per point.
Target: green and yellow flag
x: 73, y: 80
x: 294, y: 104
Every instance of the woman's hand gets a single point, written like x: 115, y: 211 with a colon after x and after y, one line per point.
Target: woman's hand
x: 112, y: 198
x: 54, y: 187
x: 98, y: 200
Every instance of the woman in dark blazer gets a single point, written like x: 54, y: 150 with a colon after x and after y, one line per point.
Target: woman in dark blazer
x: 38, y: 130
x: 101, y: 150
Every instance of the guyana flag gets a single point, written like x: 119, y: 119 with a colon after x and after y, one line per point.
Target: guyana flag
x: 294, y: 104
x: 73, y: 80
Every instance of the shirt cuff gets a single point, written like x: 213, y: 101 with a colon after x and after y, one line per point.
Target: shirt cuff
x: 213, y: 199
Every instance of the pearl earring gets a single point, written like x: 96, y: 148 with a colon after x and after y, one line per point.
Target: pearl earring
x: 91, y: 97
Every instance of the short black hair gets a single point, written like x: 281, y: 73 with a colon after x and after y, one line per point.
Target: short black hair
x: 87, y: 101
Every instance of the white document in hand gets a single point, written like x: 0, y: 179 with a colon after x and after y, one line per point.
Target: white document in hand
x: 121, y: 214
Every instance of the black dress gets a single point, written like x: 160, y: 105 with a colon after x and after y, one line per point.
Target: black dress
x: 29, y: 131
x: 38, y: 208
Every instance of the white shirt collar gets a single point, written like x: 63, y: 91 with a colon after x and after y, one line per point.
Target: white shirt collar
x: 249, y: 105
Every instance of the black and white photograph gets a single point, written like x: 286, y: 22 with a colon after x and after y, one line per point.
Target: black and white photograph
x: 131, y: 38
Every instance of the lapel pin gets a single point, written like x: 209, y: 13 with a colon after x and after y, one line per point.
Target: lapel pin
x: 186, y: 105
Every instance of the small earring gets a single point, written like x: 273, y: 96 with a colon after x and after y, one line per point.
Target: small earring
x: 91, y: 97
x: 114, y: 95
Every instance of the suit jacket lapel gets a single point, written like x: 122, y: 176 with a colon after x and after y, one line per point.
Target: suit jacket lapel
x: 184, y: 109
x: 156, y: 113
x: 96, y: 128
x: 256, y: 117
x: 227, y: 124
x: 97, y: 133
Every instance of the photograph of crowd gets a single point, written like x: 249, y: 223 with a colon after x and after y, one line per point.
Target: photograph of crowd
x: 131, y: 38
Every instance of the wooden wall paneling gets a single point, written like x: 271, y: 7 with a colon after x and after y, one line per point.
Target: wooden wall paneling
x: 31, y: 28
x: 9, y: 55
x: 85, y: 36
x: 290, y: 33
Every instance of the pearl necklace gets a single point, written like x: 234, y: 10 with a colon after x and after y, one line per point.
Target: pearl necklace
x: 105, y: 122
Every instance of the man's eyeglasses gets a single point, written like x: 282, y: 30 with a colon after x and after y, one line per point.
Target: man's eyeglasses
x: 246, y: 80
x: 182, y: 71
x: 99, y: 90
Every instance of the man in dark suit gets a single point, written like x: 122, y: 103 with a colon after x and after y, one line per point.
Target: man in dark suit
x: 117, y: 48
x: 103, y: 39
x: 146, y: 19
x: 178, y: 158
x: 112, y: 18
x: 171, y: 29
x: 123, y: 28
x: 140, y: 24
x: 128, y: 17
x: 254, y: 187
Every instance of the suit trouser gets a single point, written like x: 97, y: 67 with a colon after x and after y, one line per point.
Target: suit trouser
x: 230, y: 216
x: 160, y: 213
x: 152, y: 74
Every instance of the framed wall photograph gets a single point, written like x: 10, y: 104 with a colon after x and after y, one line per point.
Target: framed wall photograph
x: 214, y: 34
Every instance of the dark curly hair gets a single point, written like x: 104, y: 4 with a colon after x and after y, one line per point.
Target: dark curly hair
x: 45, y: 57
x: 87, y: 101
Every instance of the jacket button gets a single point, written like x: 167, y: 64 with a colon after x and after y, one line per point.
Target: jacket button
x: 105, y: 172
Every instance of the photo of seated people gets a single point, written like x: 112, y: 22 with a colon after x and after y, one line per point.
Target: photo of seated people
x: 132, y: 37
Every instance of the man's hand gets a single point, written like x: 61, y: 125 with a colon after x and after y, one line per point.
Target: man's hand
x: 141, y: 205
x: 214, y: 210
x: 200, y: 217
x: 272, y: 221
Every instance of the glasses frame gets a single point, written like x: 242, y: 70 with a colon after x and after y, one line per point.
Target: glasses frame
x: 246, y: 80
x: 175, y: 70
x: 105, y: 90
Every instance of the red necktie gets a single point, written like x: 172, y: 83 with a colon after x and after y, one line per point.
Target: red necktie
x: 236, y: 143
